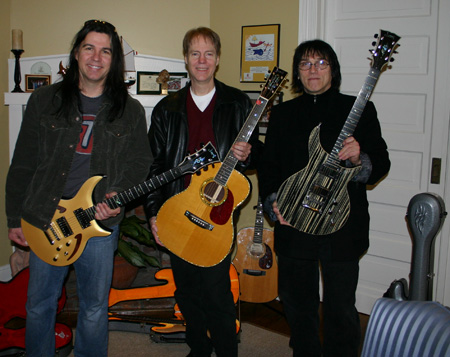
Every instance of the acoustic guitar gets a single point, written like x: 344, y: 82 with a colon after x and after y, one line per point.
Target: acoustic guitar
x: 315, y: 199
x: 256, y: 262
x: 73, y: 223
x: 197, y: 224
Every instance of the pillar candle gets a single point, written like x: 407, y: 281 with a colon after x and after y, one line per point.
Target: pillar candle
x: 17, y: 40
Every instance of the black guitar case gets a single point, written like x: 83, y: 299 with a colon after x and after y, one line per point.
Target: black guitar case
x: 424, y: 217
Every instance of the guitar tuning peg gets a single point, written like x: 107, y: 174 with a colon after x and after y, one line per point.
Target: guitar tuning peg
x: 392, y: 59
x: 374, y: 43
x: 375, y: 36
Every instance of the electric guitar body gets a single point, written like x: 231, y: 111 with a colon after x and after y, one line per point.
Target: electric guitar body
x: 73, y: 246
x: 316, y: 200
x: 197, y: 224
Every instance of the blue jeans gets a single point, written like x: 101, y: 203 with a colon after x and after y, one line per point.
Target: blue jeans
x: 94, y: 273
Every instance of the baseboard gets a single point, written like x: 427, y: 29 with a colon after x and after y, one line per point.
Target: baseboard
x: 5, y: 273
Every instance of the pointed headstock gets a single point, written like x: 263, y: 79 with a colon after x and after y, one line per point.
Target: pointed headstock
x: 273, y: 83
x: 384, y: 49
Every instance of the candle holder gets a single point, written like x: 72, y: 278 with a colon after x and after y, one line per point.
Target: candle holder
x: 17, y: 75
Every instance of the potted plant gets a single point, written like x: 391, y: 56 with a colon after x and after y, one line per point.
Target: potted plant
x: 133, y: 234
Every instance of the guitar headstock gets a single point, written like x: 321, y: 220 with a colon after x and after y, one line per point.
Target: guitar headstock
x: 201, y: 158
x: 384, y: 49
x: 273, y: 83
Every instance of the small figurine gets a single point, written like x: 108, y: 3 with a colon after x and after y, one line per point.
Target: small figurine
x: 162, y: 79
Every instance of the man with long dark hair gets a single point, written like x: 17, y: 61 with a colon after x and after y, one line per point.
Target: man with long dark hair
x: 85, y: 125
x: 317, y: 78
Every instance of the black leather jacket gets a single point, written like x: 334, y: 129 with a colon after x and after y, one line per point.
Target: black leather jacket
x: 169, y: 135
x: 45, y: 149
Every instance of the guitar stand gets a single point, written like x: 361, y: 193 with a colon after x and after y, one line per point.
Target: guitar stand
x: 425, y: 216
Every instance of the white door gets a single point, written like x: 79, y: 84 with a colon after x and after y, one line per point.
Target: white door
x: 412, y: 100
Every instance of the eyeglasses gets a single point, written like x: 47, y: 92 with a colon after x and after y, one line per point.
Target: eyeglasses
x: 306, y: 66
x: 99, y: 22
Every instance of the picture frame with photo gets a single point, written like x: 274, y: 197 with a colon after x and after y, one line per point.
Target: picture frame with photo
x: 34, y: 81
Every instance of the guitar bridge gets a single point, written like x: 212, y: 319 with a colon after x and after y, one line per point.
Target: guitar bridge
x: 198, y: 221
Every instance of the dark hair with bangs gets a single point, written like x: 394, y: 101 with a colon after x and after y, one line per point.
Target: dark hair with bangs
x: 115, y: 87
x: 203, y: 32
x: 322, y: 49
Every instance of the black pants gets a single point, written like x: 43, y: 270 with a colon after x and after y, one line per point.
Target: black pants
x: 299, y: 292
x: 206, y: 302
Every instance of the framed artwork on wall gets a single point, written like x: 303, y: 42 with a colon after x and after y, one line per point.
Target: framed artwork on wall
x: 260, y: 47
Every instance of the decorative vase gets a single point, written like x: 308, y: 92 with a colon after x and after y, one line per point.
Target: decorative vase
x: 123, y: 274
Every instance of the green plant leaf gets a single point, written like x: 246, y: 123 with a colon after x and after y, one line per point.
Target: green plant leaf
x: 131, y: 253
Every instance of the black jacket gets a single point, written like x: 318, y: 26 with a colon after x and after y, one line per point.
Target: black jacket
x: 169, y: 135
x: 286, y: 152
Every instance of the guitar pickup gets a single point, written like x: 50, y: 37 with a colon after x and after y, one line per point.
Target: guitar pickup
x: 82, y: 218
x: 198, y: 221
x: 64, y: 226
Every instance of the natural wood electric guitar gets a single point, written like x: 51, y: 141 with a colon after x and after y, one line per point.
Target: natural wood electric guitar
x: 197, y: 224
x: 73, y: 224
x: 315, y: 200
x: 256, y: 262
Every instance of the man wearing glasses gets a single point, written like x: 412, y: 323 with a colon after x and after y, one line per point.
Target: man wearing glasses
x: 317, y: 78
x: 84, y: 126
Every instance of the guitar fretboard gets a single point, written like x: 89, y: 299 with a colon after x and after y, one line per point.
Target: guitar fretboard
x: 125, y: 197
x: 354, y: 116
x: 230, y: 161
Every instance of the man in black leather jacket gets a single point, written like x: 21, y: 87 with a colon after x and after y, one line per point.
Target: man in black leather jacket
x: 205, y: 110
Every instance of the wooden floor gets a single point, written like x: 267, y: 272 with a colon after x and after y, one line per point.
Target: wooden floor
x: 270, y: 316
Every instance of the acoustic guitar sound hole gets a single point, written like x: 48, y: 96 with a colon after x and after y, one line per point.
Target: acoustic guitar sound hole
x: 213, y: 194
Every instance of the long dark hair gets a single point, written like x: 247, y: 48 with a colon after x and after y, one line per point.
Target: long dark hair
x: 319, y: 48
x: 115, y: 87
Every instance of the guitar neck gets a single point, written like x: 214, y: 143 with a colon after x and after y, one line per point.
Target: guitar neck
x: 125, y: 197
x: 229, y: 163
x: 355, y: 115
x: 259, y: 223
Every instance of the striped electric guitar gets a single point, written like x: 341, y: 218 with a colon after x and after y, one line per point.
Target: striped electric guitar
x: 73, y: 223
x: 315, y: 200
x: 197, y: 224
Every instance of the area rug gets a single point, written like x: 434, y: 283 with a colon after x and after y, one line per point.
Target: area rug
x: 254, y: 342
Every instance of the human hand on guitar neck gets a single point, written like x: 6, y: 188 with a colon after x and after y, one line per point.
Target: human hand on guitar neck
x: 241, y: 150
x: 351, y: 151
x: 102, y: 212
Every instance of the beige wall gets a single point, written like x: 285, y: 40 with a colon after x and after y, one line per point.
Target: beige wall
x: 151, y: 27
x: 5, y: 47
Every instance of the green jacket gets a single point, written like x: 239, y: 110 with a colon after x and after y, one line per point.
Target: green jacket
x: 45, y: 149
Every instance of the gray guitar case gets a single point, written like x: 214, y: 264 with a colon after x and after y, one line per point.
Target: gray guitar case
x: 424, y: 217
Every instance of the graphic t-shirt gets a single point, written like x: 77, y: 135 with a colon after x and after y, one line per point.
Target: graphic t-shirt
x: 79, y: 171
